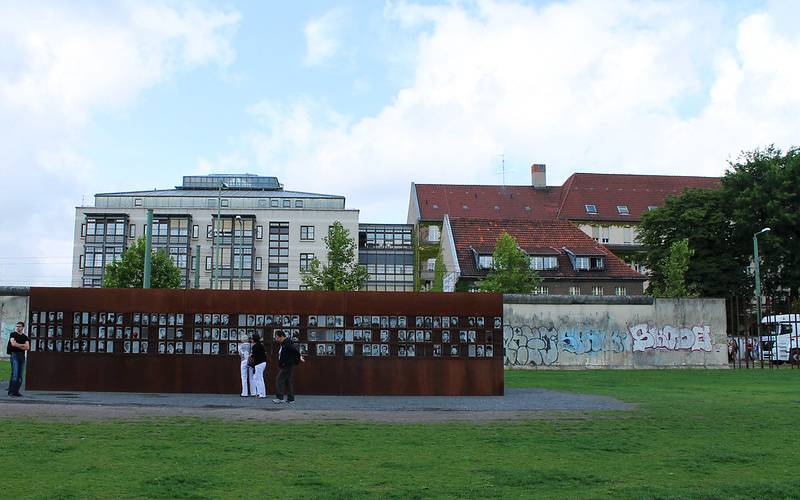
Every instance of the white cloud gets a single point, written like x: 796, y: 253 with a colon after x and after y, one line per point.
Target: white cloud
x: 323, y: 37
x: 61, y: 65
x: 615, y: 86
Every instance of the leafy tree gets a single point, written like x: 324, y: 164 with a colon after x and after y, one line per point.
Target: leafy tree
x: 342, y: 271
x: 511, y: 270
x: 673, y: 268
x: 128, y: 271
x: 699, y: 217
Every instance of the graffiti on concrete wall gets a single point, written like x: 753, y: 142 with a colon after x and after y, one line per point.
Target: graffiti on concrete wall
x: 527, y: 345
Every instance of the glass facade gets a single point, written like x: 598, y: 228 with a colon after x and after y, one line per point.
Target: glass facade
x: 386, y: 250
x: 104, y: 242
x: 278, y: 266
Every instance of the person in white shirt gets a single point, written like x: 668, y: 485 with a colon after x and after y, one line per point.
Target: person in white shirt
x: 248, y: 385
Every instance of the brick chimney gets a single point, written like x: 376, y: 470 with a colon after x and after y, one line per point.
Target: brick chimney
x: 539, y: 175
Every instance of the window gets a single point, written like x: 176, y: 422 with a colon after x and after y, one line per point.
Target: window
x: 651, y: 207
x: 544, y: 263
x: 211, y: 202
x: 298, y: 204
x: 627, y: 235
x: 305, y: 261
x: 595, y: 263
x: 623, y: 210
x: 274, y: 203
x: 263, y: 203
x: 132, y: 231
x: 208, y: 263
x: 194, y: 262
x: 209, y: 234
x: 259, y: 232
x: 306, y: 232
x: 433, y: 233
x: 225, y: 203
x: 581, y: 262
x: 485, y: 261
x: 137, y: 202
x: 541, y: 290
x: 287, y: 203
x: 589, y: 263
x: 278, y: 263
x: 605, y: 231
x: 620, y: 290
x: 430, y: 264
x: 596, y: 233
x: 597, y: 290
x: 574, y: 290
x: 258, y: 264
x: 80, y: 262
x: 83, y: 230
x: 591, y: 209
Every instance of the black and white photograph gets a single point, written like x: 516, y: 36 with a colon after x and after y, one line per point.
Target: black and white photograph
x: 428, y: 334
x: 488, y: 351
x: 198, y: 348
x: 223, y: 334
x: 462, y: 336
x: 437, y: 322
x: 428, y: 321
x: 330, y: 349
x: 446, y: 336
x: 251, y: 320
x: 135, y: 347
x: 215, y: 334
x: 170, y: 319
x: 225, y: 319
x: 102, y: 318
x: 338, y: 336
x: 312, y: 321
x: 384, y: 321
x: 479, y: 321
x: 472, y: 335
x: 233, y: 348
x: 303, y: 349
x: 401, y: 351
x: 215, y: 319
x: 136, y: 333
x: 392, y: 321
x: 259, y: 320
x: 368, y: 335
x: 420, y: 337
x: 411, y: 351
x: 401, y: 335
x: 206, y: 347
x: 268, y: 320
x: 128, y: 333
x: 295, y: 321
x: 479, y: 351
x: 162, y: 333
x: 358, y: 335
x: 320, y: 349
x: 376, y: 321
x: 348, y: 350
x: 356, y: 321
x: 162, y: 347
x: 454, y: 351
x: 401, y: 322
x: 179, y: 349
x: 437, y: 350
x: 420, y: 321
x: 498, y: 322
x: 198, y: 319
x: 162, y: 319
x: 348, y: 335
x: 312, y: 335
x: 179, y: 319
x: 366, y: 350
x: 384, y: 349
x: 384, y: 335
x: 67, y: 345
x: 471, y: 322
x: 471, y: 350
x: 453, y: 321
x: 234, y: 334
x: 101, y: 332
x: 170, y: 348
x: 445, y: 321
x: 338, y: 322
x: 294, y: 334
x: 207, y: 319
x: 215, y: 348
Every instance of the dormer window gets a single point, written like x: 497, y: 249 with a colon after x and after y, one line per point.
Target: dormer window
x: 485, y: 261
x: 541, y: 263
x: 591, y: 209
x: 623, y: 210
x: 589, y: 263
x: 651, y: 207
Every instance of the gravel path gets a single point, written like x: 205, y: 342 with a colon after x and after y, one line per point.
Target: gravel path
x: 516, y: 404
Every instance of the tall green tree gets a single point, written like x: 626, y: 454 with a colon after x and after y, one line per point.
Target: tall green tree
x: 128, y: 271
x: 698, y: 216
x: 342, y: 271
x: 511, y: 269
x: 673, y: 268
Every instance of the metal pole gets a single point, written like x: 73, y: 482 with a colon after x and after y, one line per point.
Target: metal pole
x: 197, y: 266
x: 241, y: 252
x: 148, y: 248
x: 758, y: 290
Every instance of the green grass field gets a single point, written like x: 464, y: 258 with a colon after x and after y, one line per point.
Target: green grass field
x: 696, y: 434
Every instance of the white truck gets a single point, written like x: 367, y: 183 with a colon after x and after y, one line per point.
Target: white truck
x: 781, y: 342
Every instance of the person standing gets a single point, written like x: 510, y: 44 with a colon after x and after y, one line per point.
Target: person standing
x: 259, y: 355
x: 247, y: 371
x: 288, y: 358
x: 18, y: 343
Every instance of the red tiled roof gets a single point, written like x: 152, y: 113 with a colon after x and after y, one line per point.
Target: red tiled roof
x: 536, y: 238
x: 637, y: 192
x: 566, y: 202
x: 487, y: 202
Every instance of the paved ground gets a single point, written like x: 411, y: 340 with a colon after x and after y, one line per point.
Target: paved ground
x: 516, y: 404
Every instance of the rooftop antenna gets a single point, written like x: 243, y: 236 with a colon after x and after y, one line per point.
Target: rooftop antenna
x: 503, y: 169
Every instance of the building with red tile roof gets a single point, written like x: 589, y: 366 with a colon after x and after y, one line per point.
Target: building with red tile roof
x: 569, y: 261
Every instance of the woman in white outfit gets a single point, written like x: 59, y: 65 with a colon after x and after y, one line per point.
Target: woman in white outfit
x: 247, y: 371
x: 259, y: 354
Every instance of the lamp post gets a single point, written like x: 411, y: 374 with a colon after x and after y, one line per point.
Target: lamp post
x: 241, y: 251
x: 758, y: 284
x: 214, y: 250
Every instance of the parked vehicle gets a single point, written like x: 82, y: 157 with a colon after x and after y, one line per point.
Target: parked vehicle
x: 781, y: 342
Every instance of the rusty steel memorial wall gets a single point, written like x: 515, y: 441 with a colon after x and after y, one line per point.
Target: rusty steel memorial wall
x: 367, y: 343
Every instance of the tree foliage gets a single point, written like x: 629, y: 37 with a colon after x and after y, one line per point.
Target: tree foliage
x: 760, y: 190
x: 128, y: 271
x: 511, y: 270
x: 342, y: 271
x: 673, y: 268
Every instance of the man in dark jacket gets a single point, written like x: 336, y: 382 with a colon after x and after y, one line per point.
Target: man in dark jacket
x: 18, y: 343
x: 288, y: 358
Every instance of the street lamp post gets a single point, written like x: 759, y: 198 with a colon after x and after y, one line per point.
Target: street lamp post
x: 214, y: 250
x: 241, y: 251
x: 758, y: 285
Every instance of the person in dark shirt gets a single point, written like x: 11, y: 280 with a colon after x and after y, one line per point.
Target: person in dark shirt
x: 259, y: 355
x: 18, y: 343
x: 288, y: 358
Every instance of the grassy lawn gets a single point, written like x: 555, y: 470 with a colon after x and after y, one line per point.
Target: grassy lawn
x: 5, y: 369
x: 696, y: 434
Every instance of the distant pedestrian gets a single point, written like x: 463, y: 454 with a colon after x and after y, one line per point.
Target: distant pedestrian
x: 288, y: 358
x: 18, y: 343
x: 259, y: 355
x: 247, y: 371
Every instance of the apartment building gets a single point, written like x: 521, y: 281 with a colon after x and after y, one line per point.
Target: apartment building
x: 224, y: 231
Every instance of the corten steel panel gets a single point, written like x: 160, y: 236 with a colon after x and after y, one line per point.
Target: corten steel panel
x: 198, y: 373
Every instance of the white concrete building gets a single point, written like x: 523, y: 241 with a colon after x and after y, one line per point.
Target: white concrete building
x: 238, y: 231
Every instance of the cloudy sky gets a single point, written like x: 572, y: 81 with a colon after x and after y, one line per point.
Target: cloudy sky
x: 363, y: 98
